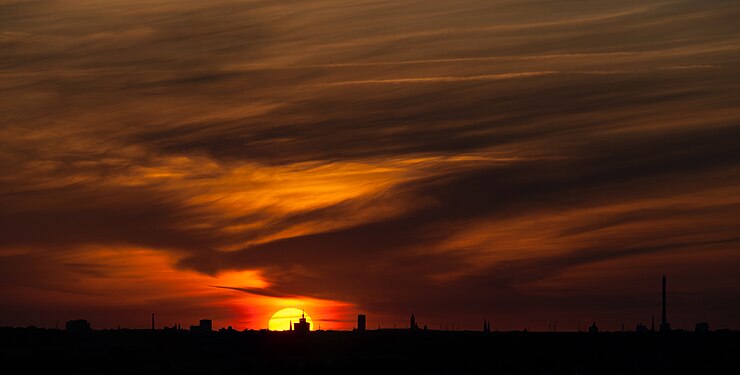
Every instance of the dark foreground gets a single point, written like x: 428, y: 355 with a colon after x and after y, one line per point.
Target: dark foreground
x: 373, y: 352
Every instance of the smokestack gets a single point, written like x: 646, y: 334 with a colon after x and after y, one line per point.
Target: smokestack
x: 663, y: 320
x: 663, y: 314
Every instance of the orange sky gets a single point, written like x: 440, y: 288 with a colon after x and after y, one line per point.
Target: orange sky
x: 518, y: 161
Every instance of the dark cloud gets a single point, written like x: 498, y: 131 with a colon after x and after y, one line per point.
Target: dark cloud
x: 265, y: 292
x: 384, y: 261
x: 461, y: 160
x: 106, y: 216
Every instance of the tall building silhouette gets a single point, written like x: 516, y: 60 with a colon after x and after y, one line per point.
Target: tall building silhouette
x: 205, y: 325
x: 412, y: 322
x: 664, y: 326
x: 361, y: 321
x: 302, y: 326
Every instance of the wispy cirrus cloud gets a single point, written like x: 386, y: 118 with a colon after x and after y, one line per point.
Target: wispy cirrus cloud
x: 482, y: 157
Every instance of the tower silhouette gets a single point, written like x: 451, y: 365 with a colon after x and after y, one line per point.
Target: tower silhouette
x: 412, y: 322
x: 361, y: 320
x: 664, y: 326
x: 302, y: 326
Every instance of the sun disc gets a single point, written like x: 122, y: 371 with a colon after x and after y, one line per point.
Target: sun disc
x: 280, y: 321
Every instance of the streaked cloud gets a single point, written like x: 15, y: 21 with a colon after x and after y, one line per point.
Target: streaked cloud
x: 518, y: 160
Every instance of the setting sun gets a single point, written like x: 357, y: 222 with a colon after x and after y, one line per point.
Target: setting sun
x: 281, y: 320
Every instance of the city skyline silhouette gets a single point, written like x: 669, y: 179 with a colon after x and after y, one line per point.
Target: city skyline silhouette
x: 530, y: 163
x: 301, y: 325
x: 525, y: 186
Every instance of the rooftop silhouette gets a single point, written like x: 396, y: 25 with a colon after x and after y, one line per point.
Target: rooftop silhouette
x: 445, y: 350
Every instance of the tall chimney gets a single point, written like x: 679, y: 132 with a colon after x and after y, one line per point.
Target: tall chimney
x: 663, y: 320
x: 662, y: 316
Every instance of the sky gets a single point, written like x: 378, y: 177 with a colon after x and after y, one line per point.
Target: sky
x: 532, y: 163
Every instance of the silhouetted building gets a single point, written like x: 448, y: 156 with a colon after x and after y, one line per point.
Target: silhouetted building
x: 78, y: 326
x: 664, y: 326
x: 641, y: 328
x: 486, y: 326
x: 229, y: 330
x: 302, y: 326
x: 701, y: 327
x: 361, y: 321
x: 412, y: 323
x: 206, y: 325
x: 593, y: 328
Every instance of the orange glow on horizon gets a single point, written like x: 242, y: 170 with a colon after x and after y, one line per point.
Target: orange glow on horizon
x: 283, y: 319
x: 144, y: 280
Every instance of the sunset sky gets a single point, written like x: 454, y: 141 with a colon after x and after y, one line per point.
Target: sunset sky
x: 521, y: 161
